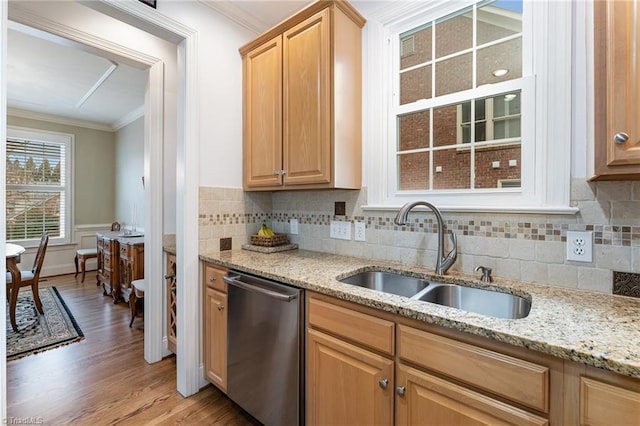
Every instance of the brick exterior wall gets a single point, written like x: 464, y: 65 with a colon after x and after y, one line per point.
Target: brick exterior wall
x: 453, y: 75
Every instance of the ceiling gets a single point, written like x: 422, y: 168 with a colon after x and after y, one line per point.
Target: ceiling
x: 51, y: 78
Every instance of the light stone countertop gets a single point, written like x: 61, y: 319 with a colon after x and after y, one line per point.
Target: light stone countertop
x: 596, y: 329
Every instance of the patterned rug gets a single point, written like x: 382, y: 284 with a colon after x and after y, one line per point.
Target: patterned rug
x: 38, y: 333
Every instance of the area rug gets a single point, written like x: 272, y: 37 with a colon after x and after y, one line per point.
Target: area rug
x: 38, y: 333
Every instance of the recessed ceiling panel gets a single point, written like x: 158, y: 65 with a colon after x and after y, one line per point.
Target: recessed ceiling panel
x: 51, y: 78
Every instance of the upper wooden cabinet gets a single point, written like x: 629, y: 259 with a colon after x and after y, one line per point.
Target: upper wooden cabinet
x: 617, y: 90
x: 302, y: 101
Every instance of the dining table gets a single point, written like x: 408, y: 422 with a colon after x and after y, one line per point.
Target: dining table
x: 13, y: 253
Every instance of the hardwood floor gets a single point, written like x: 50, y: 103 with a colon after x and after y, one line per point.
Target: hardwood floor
x: 104, y: 379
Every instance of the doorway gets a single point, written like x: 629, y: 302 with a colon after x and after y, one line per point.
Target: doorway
x: 52, y: 18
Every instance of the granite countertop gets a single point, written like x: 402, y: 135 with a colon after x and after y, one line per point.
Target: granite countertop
x: 592, y: 328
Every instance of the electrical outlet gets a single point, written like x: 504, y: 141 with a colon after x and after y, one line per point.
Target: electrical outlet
x: 340, y: 230
x: 293, y: 226
x: 580, y: 246
x: 360, y: 231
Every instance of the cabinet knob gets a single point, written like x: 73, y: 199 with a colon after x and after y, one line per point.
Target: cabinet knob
x: 384, y: 383
x: 220, y: 306
x: 212, y: 278
x: 621, y: 137
x: 276, y: 173
x: 400, y: 390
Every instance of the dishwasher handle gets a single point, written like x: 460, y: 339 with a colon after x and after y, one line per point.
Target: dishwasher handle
x: 235, y: 281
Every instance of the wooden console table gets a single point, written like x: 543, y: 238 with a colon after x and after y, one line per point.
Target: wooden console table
x: 120, y: 261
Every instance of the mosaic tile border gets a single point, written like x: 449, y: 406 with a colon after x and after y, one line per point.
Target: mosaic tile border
x: 608, y: 235
x: 233, y: 218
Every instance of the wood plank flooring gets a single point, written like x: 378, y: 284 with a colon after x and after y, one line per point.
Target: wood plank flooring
x: 104, y: 379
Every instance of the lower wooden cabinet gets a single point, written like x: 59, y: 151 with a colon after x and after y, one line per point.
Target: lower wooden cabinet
x: 604, y: 404
x: 347, y: 384
x: 215, y: 326
x: 382, y: 371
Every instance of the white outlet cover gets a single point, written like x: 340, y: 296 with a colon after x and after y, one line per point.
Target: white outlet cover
x: 340, y: 230
x: 360, y: 231
x: 580, y: 246
x: 293, y: 226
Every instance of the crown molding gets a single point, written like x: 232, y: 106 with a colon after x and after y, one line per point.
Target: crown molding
x: 51, y: 118
x: 129, y: 118
x: 229, y: 10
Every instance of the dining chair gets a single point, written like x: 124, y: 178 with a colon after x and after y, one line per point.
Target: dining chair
x: 137, y: 292
x: 27, y: 278
x: 82, y: 255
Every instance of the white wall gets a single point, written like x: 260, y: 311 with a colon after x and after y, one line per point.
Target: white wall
x: 128, y: 174
x: 220, y: 88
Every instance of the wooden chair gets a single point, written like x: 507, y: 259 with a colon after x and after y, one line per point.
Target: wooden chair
x: 27, y: 278
x: 137, y: 292
x: 89, y: 253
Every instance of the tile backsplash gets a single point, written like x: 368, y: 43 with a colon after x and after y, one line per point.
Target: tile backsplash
x: 525, y: 247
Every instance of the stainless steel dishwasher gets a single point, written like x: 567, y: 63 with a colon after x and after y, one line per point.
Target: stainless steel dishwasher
x: 265, y: 344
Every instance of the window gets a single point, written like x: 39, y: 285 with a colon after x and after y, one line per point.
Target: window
x: 474, y: 47
x: 478, y: 116
x: 407, y: 46
x: 38, y: 185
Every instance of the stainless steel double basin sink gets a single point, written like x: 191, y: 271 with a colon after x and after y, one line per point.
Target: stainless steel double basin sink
x: 488, y: 302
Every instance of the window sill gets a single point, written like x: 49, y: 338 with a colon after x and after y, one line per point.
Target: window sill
x: 485, y: 209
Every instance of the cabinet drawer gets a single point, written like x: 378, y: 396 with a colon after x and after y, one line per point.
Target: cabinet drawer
x: 107, y: 258
x: 369, y: 331
x: 213, y: 277
x: 605, y: 404
x: 430, y: 400
x: 512, y: 378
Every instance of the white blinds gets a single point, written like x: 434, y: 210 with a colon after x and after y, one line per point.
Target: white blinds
x: 35, y: 189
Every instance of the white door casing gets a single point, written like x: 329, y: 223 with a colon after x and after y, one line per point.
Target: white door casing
x: 187, y: 188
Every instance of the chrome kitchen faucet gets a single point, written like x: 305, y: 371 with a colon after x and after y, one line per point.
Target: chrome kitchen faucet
x: 442, y: 263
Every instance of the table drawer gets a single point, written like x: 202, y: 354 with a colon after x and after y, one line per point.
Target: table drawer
x: 512, y: 378
x: 361, y: 328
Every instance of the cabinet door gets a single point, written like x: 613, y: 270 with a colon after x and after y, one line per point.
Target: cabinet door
x: 602, y: 404
x: 215, y: 337
x: 617, y: 79
x: 307, y: 107
x: 263, y: 115
x: 346, y: 384
x: 424, y: 399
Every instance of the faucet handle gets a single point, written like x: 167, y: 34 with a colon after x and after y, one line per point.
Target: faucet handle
x: 486, y: 273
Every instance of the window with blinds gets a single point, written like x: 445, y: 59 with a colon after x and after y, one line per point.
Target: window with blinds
x: 37, y: 187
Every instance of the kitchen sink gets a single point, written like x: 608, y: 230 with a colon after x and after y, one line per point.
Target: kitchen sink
x: 387, y: 282
x: 482, y: 301
x: 486, y: 302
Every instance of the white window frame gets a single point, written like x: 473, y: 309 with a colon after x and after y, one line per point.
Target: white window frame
x: 546, y: 123
x: 68, y: 140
